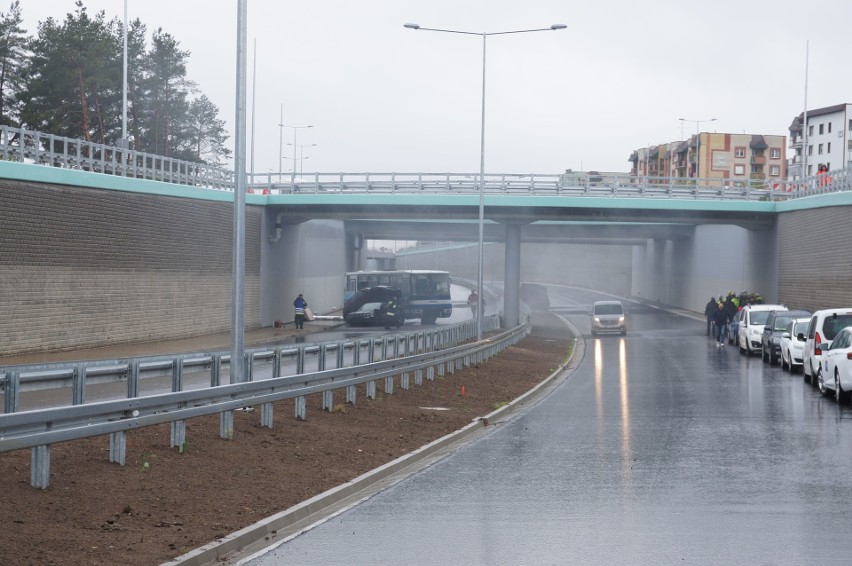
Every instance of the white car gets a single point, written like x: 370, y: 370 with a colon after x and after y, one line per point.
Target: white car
x: 750, y: 329
x: 608, y: 316
x: 823, y: 326
x: 836, y: 369
x: 792, y: 346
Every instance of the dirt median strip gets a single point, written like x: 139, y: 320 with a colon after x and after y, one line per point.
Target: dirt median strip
x: 265, y: 535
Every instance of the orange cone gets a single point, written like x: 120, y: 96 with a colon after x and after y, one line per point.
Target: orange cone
x: 462, y: 391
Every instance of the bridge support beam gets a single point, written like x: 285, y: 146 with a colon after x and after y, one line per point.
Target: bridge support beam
x: 512, y: 277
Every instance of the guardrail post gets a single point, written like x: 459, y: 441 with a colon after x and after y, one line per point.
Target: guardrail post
x: 351, y: 392
x: 118, y: 447
x: 11, y: 392
x: 226, y: 425
x: 371, y: 353
x: 216, y: 370
x: 418, y: 373
x: 356, y: 353
x: 301, y: 408
x: 133, y: 379
x: 321, y: 359
x: 78, y: 385
x: 403, y: 379
x: 266, y: 415
x: 249, y: 366
x: 384, y: 348
x: 40, y: 467
x: 178, y: 428
x: 371, y: 389
x: 276, y: 364
x: 300, y: 360
x: 389, y: 385
x: 327, y: 400
x: 340, y: 351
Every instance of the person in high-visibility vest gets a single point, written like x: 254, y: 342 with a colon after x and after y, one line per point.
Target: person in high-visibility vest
x: 299, y: 305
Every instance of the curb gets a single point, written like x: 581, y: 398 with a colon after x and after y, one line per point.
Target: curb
x: 268, y: 533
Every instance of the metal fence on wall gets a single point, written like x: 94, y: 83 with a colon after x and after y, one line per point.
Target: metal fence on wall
x: 19, y: 144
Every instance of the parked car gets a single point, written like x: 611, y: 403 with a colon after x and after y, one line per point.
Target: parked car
x: 608, y: 316
x: 792, y: 345
x: 752, y: 319
x: 367, y: 314
x: 836, y: 369
x: 824, y: 325
x: 770, y: 338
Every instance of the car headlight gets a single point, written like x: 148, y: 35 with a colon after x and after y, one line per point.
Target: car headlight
x: 596, y: 319
x: 621, y: 319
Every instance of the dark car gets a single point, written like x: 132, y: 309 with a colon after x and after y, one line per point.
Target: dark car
x: 368, y: 314
x: 770, y: 340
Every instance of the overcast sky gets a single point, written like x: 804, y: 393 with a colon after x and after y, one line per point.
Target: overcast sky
x: 382, y: 98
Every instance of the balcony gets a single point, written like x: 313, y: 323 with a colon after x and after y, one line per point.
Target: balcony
x: 757, y: 176
x: 758, y: 160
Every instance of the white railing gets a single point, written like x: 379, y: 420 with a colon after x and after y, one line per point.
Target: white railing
x: 18, y: 144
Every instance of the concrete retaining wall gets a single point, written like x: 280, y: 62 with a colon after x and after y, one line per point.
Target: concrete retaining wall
x: 83, y: 268
x: 815, y: 250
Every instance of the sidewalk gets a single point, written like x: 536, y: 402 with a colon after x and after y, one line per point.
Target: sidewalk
x: 203, y: 343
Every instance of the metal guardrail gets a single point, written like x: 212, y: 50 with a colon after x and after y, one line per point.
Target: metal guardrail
x: 432, y: 351
x: 23, y: 145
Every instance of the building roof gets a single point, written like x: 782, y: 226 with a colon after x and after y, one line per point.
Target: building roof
x: 757, y: 142
x: 824, y: 111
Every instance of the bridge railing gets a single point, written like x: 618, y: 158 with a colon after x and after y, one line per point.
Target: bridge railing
x: 19, y: 144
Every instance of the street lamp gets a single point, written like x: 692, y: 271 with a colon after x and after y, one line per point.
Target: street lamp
x: 302, y: 154
x: 697, y: 142
x: 294, y: 144
x: 479, y: 308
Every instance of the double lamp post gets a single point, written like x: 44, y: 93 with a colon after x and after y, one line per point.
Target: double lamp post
x: 484, y: 36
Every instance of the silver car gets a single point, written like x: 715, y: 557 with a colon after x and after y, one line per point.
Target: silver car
x: 608, y: 316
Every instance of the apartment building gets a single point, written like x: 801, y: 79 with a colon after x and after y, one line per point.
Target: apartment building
x: 712, y: 155
x: 829, y: 141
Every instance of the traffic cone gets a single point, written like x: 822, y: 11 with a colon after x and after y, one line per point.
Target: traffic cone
x: 462, y: 391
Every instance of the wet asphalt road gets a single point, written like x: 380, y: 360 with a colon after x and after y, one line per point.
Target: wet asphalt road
x: 658, y: 449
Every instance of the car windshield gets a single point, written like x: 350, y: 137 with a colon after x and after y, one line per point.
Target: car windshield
x: 781, y: 323
x: 608, y: 308
x: 759, y: 317
x: 834, y: 324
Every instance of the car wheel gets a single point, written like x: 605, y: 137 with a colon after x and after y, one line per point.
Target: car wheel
x: 624, y: 332
x: 839, y: 395
x: 820, y: 382
x: 740, y: 346
x: 783, y: 362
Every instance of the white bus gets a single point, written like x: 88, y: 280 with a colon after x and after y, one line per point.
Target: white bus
x: 423, y: 294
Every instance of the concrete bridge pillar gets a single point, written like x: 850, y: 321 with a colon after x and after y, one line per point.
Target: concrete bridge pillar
x: 512, y: 277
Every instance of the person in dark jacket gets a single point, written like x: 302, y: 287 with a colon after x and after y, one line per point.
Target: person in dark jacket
x: 730, y: 312
x: 720, y: 319
x: 709, y: 311
x: 299, y: 306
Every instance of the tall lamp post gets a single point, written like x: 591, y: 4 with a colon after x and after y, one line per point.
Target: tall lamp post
x: 697, y: 141
x: 484, y: 35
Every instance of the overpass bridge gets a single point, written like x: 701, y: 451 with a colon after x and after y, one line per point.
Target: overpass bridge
x: 673, y: 225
